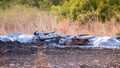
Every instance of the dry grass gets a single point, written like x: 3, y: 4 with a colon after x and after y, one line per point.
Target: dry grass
x: 42, y: 60
x: 96, y: 28
x: 21, y: 20
x: 28, y: 20
x: 4, y: 60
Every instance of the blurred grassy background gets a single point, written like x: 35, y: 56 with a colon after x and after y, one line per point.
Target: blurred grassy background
x: 64, y: 16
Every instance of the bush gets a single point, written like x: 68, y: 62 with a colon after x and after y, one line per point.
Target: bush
x: 89, y: 10
x: 82, y: 11
x: 118, y: 34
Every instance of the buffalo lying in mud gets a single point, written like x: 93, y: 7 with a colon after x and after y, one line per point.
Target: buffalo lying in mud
x: 53, y: 38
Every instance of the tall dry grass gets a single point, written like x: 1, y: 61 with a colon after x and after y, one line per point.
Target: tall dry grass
x: 42, y: 60
x: 28, y: 20
x: 96, y: 28
x: 24, y: 20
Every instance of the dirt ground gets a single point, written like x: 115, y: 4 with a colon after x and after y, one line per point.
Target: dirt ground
x: 31, y: 56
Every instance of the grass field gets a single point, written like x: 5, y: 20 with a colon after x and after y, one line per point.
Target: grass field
x: 28, y: 20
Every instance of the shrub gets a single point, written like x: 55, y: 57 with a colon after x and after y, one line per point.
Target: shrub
x: 82, y: 11
x: 90, y: 10
x: 118, y: 34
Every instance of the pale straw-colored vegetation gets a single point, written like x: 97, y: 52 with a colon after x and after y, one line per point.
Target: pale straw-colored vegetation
x: 19, y: 19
